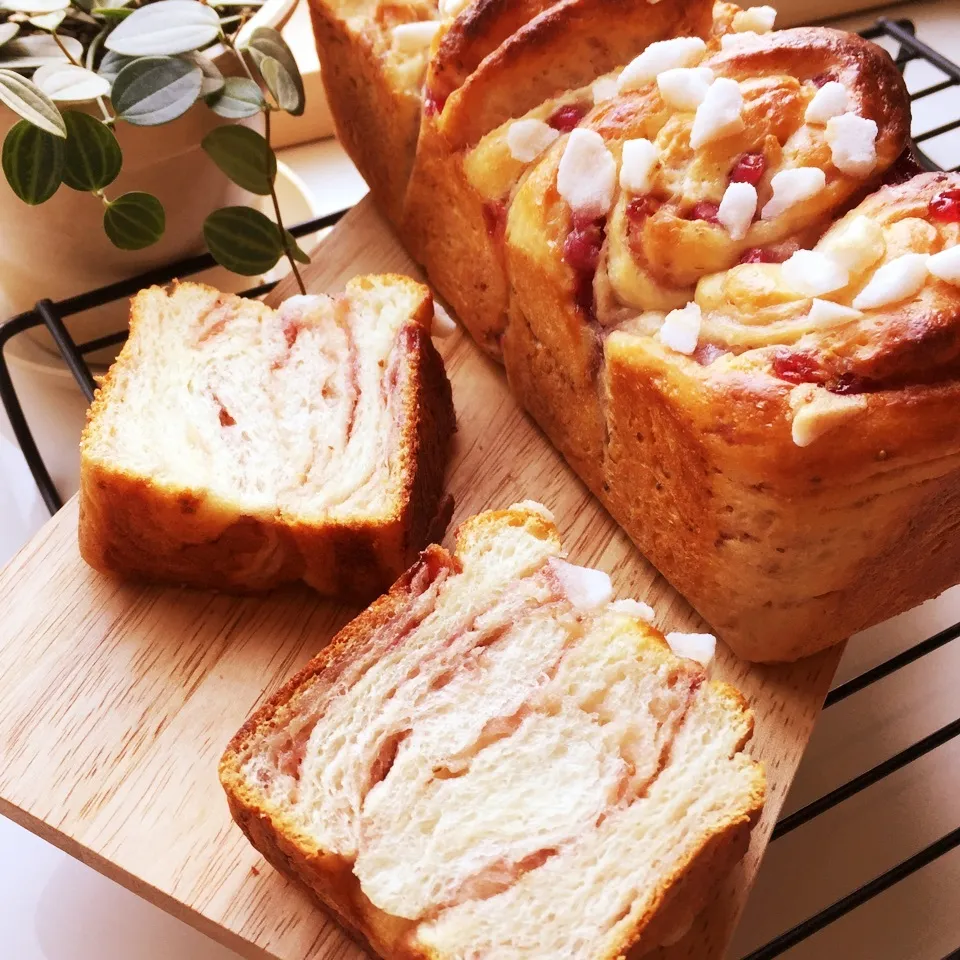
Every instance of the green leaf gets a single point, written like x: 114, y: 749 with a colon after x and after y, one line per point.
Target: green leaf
x: 92, y: 158
x: 66, y: 83
x: 48, y: 21
x: 155, y: 90
x: 8, y: 31
x: 165, y: 28
x: 212, y: 77
x: 32, y: 162
x: 279, y: 69
x: 37, y: 50
x: 34, y: 6
x: 244, y: 156
x: 112, y: 64
x: 111, y: 14
x: 298, y: 253
x: 22, y: 97
x: 243, y: 240
x: 240, y: 98
x: 134, y: 221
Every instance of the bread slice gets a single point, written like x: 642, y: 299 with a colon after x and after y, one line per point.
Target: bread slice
x: 497, y: 761
x: 238, y: 447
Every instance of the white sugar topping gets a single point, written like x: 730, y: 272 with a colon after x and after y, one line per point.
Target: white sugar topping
x: 829, y: 101
x: 826, y: 313
x: 719, y: 114
x: 443, y: 324
x: 684, y: 87
x: 587, y: 173
x: 681, y: 328
x: 853, y: 144
x: 693, y: 646
x: 527, y: 139
x: 810, y: 273
x: 604, y: 89
x: 634, y: 608
x: 894, y: 281
x: 637, y: 165
x: 857, y: 243
x: 945, y: 265
x: 737, y: 208
x: 584, y: 587
x: 415, y: 37
x: 453, y: 8
x: 659, y: 56
x: 791, y: 187
x: 534, y: 506
x: 757, y: 19
x: 817, y: 411
x: 729, y: 40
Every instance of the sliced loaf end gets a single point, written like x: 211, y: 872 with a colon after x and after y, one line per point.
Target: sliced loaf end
x: 240, y: 447
x: 497, y: 761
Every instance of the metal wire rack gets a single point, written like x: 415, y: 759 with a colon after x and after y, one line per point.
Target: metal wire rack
x: 907, y: 48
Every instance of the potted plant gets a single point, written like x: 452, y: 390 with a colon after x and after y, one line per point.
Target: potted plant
x: 137, y: 131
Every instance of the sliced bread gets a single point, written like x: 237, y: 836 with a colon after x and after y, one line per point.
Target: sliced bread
x: 238, y: 447
x: 496, y: 760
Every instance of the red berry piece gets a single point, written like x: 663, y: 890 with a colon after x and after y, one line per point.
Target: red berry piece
x: 704, y: 210
x: 822, y: 79
x: 749, y: 169
x: 581, y: 249
x: 639, y: 208
x: 945, y: 206
x: 433, y: 102
x: 796, y: 367
x: 566, y: 118
x: 849, y: 383
x: 495, y: 219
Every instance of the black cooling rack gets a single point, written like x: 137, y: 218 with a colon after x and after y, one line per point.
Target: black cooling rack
x: 906, y: 48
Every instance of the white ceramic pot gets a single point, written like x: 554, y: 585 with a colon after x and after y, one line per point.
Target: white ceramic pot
x: 59, y: 249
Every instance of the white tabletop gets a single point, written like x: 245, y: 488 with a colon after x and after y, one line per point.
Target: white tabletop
x: 55, y: 908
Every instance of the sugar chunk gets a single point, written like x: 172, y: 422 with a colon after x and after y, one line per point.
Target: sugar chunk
x: 791, y: 187
x: 826, y: 313
x: 831, y: 100
x: 756, y: 19
x: 604, y: 89
x: 681, y: 328
x: 693, y: 646
x: 684, y: 87
x: 637, y: 164
x: 527, y: 139
x: 853, y: 144
x: 719, y: 114
x: 453, y: 8
x: 659, y: 56
x: 894, y: 281
x: 810, y: 273
x: 587, y: 174
x: 945, y: 265
x: 737, y: 208
x: 857, y: 243
x: 415, y: 37
x: 584, y: 587
x: 634, y: 608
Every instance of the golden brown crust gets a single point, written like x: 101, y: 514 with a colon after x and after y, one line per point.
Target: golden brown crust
x: 136, y: 527
x: 330, y: 878
x: 784, y: 548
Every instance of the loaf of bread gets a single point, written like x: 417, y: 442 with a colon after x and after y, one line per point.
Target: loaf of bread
x: 714, y: 278
x: 237, y: 447
x: 497, y: 761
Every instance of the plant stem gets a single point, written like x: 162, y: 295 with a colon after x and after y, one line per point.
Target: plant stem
x: 276, y: 210
x: 62, y: 46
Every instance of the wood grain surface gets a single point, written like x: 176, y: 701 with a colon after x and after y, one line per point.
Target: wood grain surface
x: 118, y: 700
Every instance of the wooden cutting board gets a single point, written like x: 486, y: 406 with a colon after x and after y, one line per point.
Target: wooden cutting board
x: 117, y: 700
